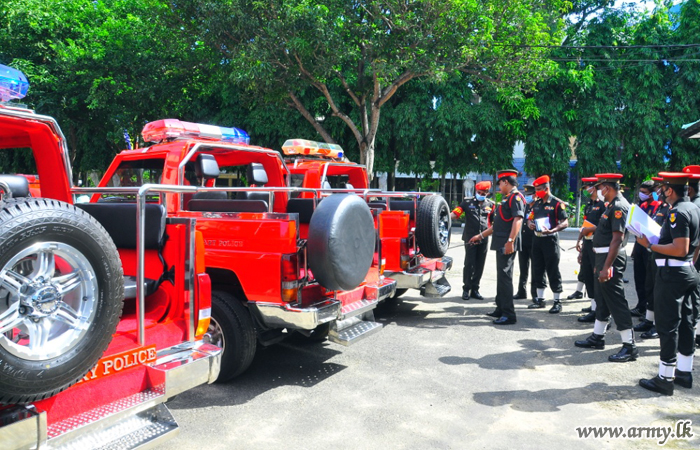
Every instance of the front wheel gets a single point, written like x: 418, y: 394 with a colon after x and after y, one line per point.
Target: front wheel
x: 231, y: 329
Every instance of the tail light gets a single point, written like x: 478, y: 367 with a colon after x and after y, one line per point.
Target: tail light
x: 291, y: 285
x: 203, y: 286
x: 203, y: 304
x: 199, y: 264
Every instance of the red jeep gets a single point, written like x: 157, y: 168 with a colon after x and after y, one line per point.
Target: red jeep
x: 279, y: 264
x: 414, y: 227
x: 88, y: 355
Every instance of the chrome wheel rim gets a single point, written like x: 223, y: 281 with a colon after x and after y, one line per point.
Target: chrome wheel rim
x: 48, y: 297
x: 215, y: 335
x: 444, y: 229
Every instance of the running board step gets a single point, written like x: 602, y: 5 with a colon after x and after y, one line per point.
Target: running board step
x: 144, y: 430
x: 347, y: 332
x: 437, y: 288
x: 129, y: 423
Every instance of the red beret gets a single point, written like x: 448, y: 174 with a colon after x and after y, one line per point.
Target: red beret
x: 483, y: 186
x: 691, y: 169
x: 541, y: 180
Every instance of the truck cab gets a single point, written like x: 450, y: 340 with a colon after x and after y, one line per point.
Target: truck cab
x: 413, y: 227
x: 102, y: 318
x: 279, y: 265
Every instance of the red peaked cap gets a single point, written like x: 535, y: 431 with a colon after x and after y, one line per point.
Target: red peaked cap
x: 657, y: 180
x: 506, y: 173
x: 588, y: 180
x: 483, y: 186
x: 680, y: 178
x: 693, y: 171
x: 608, y: 178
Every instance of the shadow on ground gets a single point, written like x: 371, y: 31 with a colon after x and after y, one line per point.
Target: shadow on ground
x: 284, y: 364
x: 551, y: 400
x: 534, y: 353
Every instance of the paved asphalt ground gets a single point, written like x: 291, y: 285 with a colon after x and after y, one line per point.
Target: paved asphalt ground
x: 440, y: 375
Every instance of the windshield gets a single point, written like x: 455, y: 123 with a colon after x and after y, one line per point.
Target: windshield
x: 135, y: 174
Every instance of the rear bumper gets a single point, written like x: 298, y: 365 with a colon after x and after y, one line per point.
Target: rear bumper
x: 295, y: 317
x: 183, y: 367
x: 427, y: 271
x: 175, y: 370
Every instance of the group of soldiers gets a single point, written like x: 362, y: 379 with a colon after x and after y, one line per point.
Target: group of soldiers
x: 665, y: 267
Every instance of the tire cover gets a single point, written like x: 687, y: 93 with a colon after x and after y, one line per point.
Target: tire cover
x: 341, y: 242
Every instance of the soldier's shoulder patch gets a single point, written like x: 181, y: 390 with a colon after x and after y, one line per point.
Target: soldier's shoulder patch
x: 618, y: 214
x: 519, y: 198
x: 672, y: 217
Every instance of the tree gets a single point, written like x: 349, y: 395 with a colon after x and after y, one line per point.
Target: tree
x: 103, y: 68
x: 367, y: 50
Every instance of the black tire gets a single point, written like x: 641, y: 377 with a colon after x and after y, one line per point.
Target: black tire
x: 341, y: 242
x: 433, y: 226
x: 236, y: 334
x: 46, y: 347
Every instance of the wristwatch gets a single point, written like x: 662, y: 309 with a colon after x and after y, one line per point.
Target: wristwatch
x: 510, y: 239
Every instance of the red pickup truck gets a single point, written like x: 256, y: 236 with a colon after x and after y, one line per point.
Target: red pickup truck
x: 414, y: 227
x: 88, y: 354
x: 279, y: 263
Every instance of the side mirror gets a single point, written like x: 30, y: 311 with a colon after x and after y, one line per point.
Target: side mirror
x: 256, y: 174
x: 206, y: 167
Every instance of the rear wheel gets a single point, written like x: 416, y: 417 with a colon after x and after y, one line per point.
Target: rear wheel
x: 61, y: 291
x: 231, y: 328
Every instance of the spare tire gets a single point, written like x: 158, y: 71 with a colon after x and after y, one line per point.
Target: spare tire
x: 61, y: 291
x: 341, y: 242
x: 433, y: 226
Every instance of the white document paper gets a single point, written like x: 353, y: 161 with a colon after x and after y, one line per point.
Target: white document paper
x: 640, y: 224
x: 542, y: 224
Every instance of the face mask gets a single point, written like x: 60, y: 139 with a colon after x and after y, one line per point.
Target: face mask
x: 480, y: 198
x: 540, y: 194
x: 528, y: 198
x: 600, y: 196
x: 655, y: 196
x: 643, y: 197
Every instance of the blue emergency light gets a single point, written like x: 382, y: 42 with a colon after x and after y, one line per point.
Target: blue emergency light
x: 13, y: 84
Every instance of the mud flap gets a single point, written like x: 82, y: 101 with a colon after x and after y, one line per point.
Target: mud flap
x: 437, y: 288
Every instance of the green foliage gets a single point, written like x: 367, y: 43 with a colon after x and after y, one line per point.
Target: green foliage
x: 454, y: 82
x: 357, y: 55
